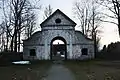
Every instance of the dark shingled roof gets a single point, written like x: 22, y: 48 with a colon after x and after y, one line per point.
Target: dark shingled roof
x: 32, y: 35
x: 84, y: 35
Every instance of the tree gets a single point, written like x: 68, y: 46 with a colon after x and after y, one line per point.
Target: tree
x: 2, y: 37
x: 81, y: 11
x: 47, y: 11
x: 111, y: 52
x: 30, y: 24
x: 89, y: 16
x: 17, y: 14
x: 114, y: 7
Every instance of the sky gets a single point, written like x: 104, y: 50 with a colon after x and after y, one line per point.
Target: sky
x: 109, y: 31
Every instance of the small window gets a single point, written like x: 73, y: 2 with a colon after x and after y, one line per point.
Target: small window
x: 58, y: 20
x: 84, y: 51
x: 32, y: 52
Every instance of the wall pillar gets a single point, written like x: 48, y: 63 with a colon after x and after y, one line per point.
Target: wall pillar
x: 70, y: 47
x: 46, y: 50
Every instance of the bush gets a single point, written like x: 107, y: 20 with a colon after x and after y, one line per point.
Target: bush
x: 8, y: 57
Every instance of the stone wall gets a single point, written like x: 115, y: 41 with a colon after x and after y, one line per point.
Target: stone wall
x: 41, y: 40
x: 42, y: 44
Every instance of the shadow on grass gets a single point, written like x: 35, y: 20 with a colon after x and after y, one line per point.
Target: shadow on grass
x: 34, y: 71
x: 93, y: 70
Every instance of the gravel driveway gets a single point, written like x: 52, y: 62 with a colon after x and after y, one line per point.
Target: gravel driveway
x: 59, y: 72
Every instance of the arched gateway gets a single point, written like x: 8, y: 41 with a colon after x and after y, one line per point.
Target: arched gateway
x: 58, y: 48
x: 58, y: 27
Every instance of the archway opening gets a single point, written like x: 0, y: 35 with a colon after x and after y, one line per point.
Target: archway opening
x: 58, y: 48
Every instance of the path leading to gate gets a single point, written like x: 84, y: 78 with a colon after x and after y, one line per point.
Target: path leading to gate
x: 59, y: 72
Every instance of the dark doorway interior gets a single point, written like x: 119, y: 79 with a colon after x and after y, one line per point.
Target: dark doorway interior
x: 58, y: 48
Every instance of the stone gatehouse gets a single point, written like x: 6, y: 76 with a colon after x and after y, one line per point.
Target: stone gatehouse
x: 58, y: 26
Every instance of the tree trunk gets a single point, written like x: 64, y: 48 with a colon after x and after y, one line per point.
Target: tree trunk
x: 19, y: 33
x: 11, y: 45
x: 7, y: 35
x: 19, y: 42
x: 95, y: 44
x: 15, y: 41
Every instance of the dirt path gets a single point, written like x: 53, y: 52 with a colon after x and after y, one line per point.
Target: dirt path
x: 59, y: 72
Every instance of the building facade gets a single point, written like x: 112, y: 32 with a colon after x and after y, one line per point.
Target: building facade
x: 58, y: 27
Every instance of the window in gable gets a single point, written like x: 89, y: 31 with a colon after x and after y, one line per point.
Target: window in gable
x: 58, y: 20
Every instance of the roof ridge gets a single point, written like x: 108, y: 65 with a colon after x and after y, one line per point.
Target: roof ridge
x: 57, y: 11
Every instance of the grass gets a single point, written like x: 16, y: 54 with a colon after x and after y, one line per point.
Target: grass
x: 95, y: 70
x: 34, y: 71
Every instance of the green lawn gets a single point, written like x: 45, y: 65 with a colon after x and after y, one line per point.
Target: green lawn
x: 34, y: 71
x: 95, y: 70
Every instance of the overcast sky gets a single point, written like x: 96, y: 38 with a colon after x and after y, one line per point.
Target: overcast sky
x: 109, y: 34
x: 110, y: 31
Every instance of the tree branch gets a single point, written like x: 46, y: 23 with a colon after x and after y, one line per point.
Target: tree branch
x: 109, y: 22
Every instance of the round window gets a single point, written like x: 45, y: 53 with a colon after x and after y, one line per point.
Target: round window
x: 58, y: 20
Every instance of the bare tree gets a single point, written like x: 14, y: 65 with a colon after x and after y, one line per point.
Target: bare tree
x: 2, y: 37
x: 89, y: 16
x: 82, y: 15
x: 47, y: 11
x: 114, y: 7
x: 30, y: 24
x: 15, y: 20
x: 6, y: 23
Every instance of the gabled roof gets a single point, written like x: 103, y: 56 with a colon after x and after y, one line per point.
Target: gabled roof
x: 58, y: 11
x: 83, y: 35
x: 38, y: 32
